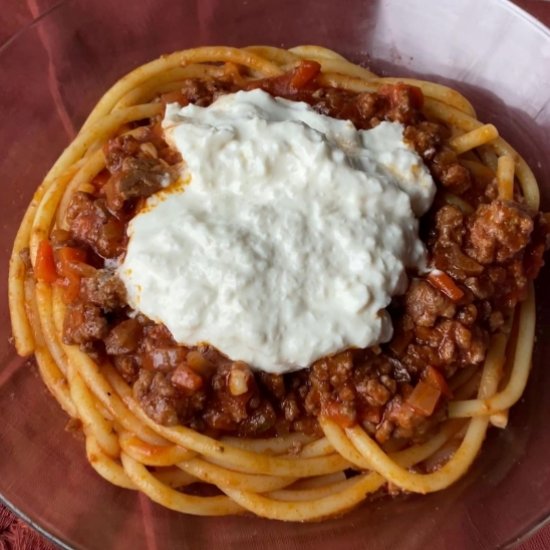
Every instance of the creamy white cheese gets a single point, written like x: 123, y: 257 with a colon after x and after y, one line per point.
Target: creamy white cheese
x: 289, y: 239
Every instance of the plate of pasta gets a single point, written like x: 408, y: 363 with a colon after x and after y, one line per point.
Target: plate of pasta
x: 286, y: 291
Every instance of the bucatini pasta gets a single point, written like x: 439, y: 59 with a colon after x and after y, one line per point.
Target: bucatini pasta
x: 160, y: 416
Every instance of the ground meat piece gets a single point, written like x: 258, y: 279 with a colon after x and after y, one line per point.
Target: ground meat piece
x: 419, y: 355
x: 402, y: 422
x: 350, y: 387
x: 454, y: 344
x: 453, y: 335
x: 194, y: 90
x: 340, y: 367
x: 341, y: 104
x: 329, y: 378
x: 203, y: 92
x: 499, y: 231
x: 450, y: 172
x: 145, y: 142
x: 514, y: 289
x: 389, y: 383
x: 540, y: 242
x: 467, y: 315
x: 227, y: 411
x: 426, y: 137
x: 503, y: 286
x: 405, y: 102
x: 104, y: 289
x: 456, y: 177
x: 273, y: 383
x: 118, y: 149
x: 137, y: 178
x: 448, y: 345
x: 496, y: 320
x: 91, y: 223
x: 497, y: 275
x: 425, y: 304
x: 460, y: 344
x: 217, y: 419
x: 491, y: 190
x: 370, y: 106
x: 162, y: 401
x: 399, y: 370
x: 159, y: 351
x: 84, y: 323
x: 398, y: 415
x: 450, y: 225
x: 290, y: 407
x: 447, y: 241
x: 454, y: 262
x: 374, y: 391
x: 481, y: 287
x: 123, y: 338
x: 157, y: 397
x: 259, y: 420
x: 127, y: 367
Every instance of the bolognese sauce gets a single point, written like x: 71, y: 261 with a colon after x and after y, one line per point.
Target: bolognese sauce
x: 483, y: 251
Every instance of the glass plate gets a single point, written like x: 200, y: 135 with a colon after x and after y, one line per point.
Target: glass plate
x: 54, y: 71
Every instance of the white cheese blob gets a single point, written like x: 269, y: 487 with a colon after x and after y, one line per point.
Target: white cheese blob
x: 290, y: 237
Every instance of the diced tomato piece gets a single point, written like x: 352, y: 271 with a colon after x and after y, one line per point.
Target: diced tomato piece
x: 44, y: 268
x: 67, y: 257
x: 417, y: 96
x: 445, y: 284
x: 291, y: 83
x: 396, y: 92
x: 433, y: 377
x: 304, y: 73
x: 424, y: 398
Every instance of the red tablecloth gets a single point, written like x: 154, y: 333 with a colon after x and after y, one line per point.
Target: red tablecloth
x: 16, y: 534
